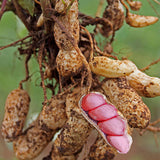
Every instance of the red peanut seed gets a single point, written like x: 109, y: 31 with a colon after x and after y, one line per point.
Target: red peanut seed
x: 121, y: 143
x: 103, y: 112
x: 113, y: 127
x: 91, y: 101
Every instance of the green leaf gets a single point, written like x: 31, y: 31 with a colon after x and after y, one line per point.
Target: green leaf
x: 27, y: 4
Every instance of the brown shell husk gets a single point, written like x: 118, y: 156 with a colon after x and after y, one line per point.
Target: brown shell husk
x: 135, y: 20
x: 68, y: 62
x: 135, y: 5
x: 30, y: 144
x: 110, y: 68
x: 127, y: 101
x: 16, y: 109
x: 56, y: 153
x: 76, y: 129
x: 71, y: 23
x: 53, y: 115
x: 40, y: 132
x: 114, y: 12
x: 101, y: 150
x: 145, y: 85
x: 83, y: 154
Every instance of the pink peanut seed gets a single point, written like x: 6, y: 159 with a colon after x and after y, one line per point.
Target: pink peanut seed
x: 103, y: 112
x: 121, y: 143
x: 115, y: 126
x: 109, y: 121
x: 91, y: 101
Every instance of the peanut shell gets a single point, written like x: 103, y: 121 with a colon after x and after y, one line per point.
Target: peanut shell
x: 71, y: 23
x: 135, y: 20
x: 134, y: 5
x: 127, y: 101
x: 16, y: 109
x: 76, y: 129
x: 32, y: 142
x: 101, y: 150
x: 145, y: 85
x: 68, y: 62
x: 114, y: 12
x: 110, y: 68
x: 54, y: 114
x: 56, y: 153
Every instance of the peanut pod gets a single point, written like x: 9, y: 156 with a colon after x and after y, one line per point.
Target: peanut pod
x: 107, y: 120
x: 68, y: 62
x: 56, y: 153
x: 53, y: 115
x: 127, y: 101
x: 41, y: 132
x: 91, y: 139
x: 114, y: 13
x: 30, y: 144
x: 100, y: 150
x: 71, y: 23
x: 145, y: 85
x: 134, y: 5
x: 110, y: 68
x: 76, y: 129
x: 135, y: 20
x: 16, y: 109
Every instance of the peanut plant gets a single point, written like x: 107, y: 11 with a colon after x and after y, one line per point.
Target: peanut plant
x: 68, y: 54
